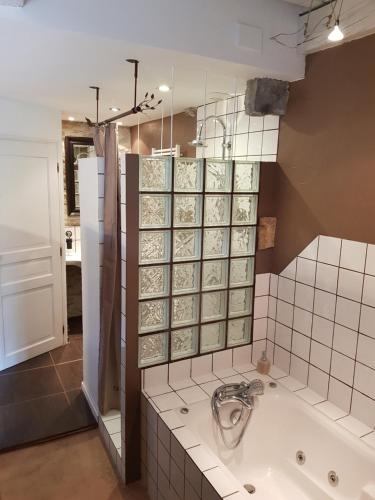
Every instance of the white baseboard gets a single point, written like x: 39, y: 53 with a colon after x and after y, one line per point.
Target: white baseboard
x: 90, y: 401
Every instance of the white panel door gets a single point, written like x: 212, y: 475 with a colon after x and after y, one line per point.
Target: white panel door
x: 31, y: 319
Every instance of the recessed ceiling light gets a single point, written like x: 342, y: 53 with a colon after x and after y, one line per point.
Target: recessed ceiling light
x: 71, y: 118
x: 119, y: 123
x: 336, y: 35
x: 164, y: 88
x: 114, y: 108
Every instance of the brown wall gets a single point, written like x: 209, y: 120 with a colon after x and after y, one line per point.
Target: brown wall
x: 326, y: 181
x: 184, y: 130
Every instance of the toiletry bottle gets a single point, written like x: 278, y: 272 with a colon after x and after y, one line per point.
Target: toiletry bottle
x: 263, y: 365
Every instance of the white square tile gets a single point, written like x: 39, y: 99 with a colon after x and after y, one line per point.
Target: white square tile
x: 203, y: 458
x: 256, y: 123
x: 242, y: 357
x: 369, y: 439
x: 222, y: 360
x: 345, y: 340
x: 260, y: 328
x: 366, y: 351
x: 171, y: 419
x: 302, y: 321
x: 324, y: 304
x: 271, y: 122
x: 354, y: 426
x: 201, y: 369
x: 329, y: 250
x: 222, y: 481
x: 367, y: 322
x: 311, y: 251
x: 242, y: 124
x: 310, y: 396
x: 290, y: 270
x: 240, y: 103
x: 322, y: 330
x: 318, y: 381
x: 240, y: 145
x: 192, y: 394
x: 261, y: 307
x: 272, y: 307
x: 320, y: 356
x: 282, y: 359
x: 258, y: 347
x: 286, y: 289
x: 347, y: 313
x: 113, y: 425
x: 350, y: 284
x: 274, y: 279
x: 255, y: 143
x: 168, y: 401
x: 369, y: 291
x: 270, y: 346
x: 370, y: 260
x: 271, y: 328
x: 299, y: 369
x: 364, y: 380
x: 262, y: 284
x: 283, y: 336
x: 304, y: 296
x: 306, y: 271
x: 179, y: 374
x: 363, y: 408
x: 342, y: 368
x: 284, y: 313
x: 270, y: 142
x: 291, y: 383
x: 234, y: 379
x: 326, y: 277
x: 185, y: 437
x: 276, y: 373
x: 340, y: 394
x: 353, y: 255
x: 332, y: 411
x: 301, y: 346
x: 210, y: 387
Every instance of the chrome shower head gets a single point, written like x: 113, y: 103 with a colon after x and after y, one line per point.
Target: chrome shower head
x: 197, y: 143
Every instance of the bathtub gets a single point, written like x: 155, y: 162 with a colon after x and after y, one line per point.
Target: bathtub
x: 281, y: 425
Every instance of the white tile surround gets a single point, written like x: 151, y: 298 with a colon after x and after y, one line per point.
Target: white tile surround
x: 254, y: 138
x: 321, y: 325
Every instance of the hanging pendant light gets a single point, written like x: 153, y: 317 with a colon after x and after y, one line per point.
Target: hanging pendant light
x: 336, y: 35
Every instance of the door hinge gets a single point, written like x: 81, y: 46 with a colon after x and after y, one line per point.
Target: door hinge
x: 58, y: 166
x: 60, y: 251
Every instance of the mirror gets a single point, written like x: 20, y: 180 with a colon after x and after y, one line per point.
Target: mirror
x: 75, y: 148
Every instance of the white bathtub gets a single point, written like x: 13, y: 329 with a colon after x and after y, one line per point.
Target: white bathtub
x: 281, y: 425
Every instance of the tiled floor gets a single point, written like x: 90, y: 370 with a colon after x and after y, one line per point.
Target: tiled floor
x: 74, y: 468
x: 42, y: 397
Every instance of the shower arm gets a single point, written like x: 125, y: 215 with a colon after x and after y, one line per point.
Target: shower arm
x: 218, y: 120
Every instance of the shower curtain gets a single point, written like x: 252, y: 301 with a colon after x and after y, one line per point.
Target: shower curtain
x: 105, y: 141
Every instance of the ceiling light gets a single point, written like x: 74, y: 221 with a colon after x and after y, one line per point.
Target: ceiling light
x: 336, y: 35
x: 71, y: 118
x: 164, y: 88
x: 119, y: 123
x: 114, y: 108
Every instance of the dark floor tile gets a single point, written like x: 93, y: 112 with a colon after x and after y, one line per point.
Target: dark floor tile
x: 23, y: 386
x: 69, y: 352
x: 37, y: 362
x: 80, y: 408
x: 71, y: 374
x: 75, y: 325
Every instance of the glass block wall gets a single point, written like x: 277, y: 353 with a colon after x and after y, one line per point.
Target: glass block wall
x: 196, y: 251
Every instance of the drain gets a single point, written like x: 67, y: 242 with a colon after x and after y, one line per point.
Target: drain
x: 333, y: 478
x: 273, y: 385
x: 250, y: 488
x: 184, y: 411
x: 300, y: 457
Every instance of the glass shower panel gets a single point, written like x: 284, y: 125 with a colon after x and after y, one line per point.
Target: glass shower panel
x: 241, y: 272
x: 239, y: 331
x: 240, y: 302
x: 184, y: 342
x: 186, y: 278
x: 153, y: 282
x: 212, y: 337
x: 154, y: 211
x: 214, y: 274
x: 155, y: 174
x: 243, y: 241
x: 218, y: 176
x: 217, y: 210
x: 246, y: 177
x: 186, y: 244
x: 215, y: 243
x: 187, y: 210
x: 153, y: 349
x: 244, y: 209
x: 154, y: 247
x: 188, y: 175
x: 214, y: 306
x: 185, y: 310
x: 153, y: 315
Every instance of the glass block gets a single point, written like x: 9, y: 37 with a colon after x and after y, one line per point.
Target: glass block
x: 185, y: 310
x: 154, y: 210
x: 240, y: 302
x: 215, y: 243
x: 185, y: 278
x: 154, y: 173
x: 214, y: 306
x: 153, y: 315
x: 184, y: 342
x: 154, y: 247
x: 243, y: 241
x: 241, y: 272
x: 218, y: 176
x: 213, y: 336
x: 188, y: 175
x: 153, y: 282
x: 152, y: 349
x: 214, y: 274
x: 239, y: 331
x: 187, y: 210
x: 244, y: 209
x: 217, y: 210
x: 246, y: 177
x: 186, y: 244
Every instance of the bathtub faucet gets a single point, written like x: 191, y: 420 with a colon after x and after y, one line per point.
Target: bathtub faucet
x: 243, y: 392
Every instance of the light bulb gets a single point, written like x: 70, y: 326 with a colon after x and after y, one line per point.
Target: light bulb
x: 114, y: 108
x: 164, y: 88
x: 336, y: 35
x: 71, y: 118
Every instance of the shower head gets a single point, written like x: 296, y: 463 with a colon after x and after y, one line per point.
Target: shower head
x: 197, y: 143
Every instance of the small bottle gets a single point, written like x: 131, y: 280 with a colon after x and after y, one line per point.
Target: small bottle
x: 264, y: 364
